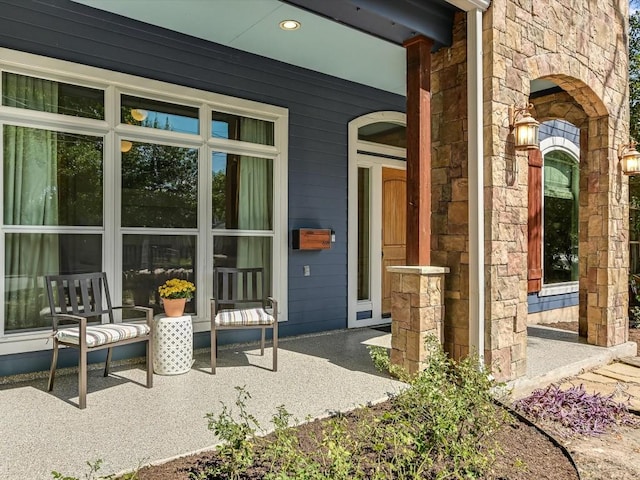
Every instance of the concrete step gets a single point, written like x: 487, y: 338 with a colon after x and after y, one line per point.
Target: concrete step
x: 634, y: 361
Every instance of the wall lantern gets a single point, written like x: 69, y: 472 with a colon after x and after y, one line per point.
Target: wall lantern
x: 524, y: 127
x: 629, y: 158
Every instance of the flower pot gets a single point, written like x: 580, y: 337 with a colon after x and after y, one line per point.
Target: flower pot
x: 174, y: 307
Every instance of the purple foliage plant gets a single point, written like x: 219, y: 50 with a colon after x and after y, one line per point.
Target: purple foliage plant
x: 575, y: 409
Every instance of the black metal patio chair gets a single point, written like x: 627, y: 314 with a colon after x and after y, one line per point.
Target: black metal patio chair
x: 239, y: 303
x: 83, y: 301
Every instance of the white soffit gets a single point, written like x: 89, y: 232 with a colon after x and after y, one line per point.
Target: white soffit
x: 253, y: 26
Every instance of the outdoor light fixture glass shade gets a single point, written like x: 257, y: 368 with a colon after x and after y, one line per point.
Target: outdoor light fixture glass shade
x: 629, y: 159
x: 138, y: 114
x: 524, y: 128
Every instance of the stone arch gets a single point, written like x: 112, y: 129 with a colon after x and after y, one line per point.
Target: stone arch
x: 559, y: 104
x: 584, y: 85
x: 603, y: 237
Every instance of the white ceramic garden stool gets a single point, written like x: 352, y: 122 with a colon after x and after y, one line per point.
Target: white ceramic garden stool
x: 172, y: 344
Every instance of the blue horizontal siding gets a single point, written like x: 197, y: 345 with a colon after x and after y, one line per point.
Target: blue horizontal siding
x: 320, y: 108
x: 542, y: 304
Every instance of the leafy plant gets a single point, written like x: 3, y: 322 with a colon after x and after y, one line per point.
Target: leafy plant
x: 236, y: 451
x: 382, y: 362
x: 451, y: 412
x: 441, y: 426
x: 634, y: 317
x: 94, y: 467
x: 634, y: 301
x: 576, y: 410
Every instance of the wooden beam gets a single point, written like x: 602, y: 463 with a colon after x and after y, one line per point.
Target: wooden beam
x: 418, y: 150
x: 534, y: 255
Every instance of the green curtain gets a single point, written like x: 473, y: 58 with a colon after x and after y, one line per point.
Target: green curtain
x: 255, y: 199
x: 30, y: 199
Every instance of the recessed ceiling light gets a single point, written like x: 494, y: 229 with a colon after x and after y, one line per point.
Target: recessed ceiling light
x: 289, y: 25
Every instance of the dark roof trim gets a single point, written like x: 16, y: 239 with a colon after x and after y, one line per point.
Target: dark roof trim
x: 394, y: 21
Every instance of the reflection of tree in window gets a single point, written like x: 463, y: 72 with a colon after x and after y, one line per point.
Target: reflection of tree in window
x: 159, y: 115
x: 80, y: 178
x: 561, y: 187
x: 159, y: 186
x: 21, y: 91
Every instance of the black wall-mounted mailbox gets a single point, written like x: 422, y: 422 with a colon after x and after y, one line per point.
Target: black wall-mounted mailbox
x: 311, y: 239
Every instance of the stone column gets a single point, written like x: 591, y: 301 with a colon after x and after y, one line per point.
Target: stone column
x: 417, y: 311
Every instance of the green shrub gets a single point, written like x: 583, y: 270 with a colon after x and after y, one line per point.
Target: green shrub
x: 94, y: 467
x: 236, y: 451
x: 449, y: 408
x: 440, y: 426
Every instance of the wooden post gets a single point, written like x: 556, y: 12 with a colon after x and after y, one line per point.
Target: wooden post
x: 418, y: 150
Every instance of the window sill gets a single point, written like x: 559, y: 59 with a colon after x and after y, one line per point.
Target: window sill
x: 558, y: 289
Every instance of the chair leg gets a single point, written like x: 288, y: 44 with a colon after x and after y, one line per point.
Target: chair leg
x: 54, y: 362
x: 214, y: 349
x: 107, y: 363
x: 149, y: 363
x: 264, y: 333
x: 275, y: 346
x: 82, y: 380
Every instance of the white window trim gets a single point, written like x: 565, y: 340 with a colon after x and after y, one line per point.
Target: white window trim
x: 558, y: 289
x: 114, y: 84
x: 546, y: 146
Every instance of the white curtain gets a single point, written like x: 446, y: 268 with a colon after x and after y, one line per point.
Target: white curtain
x: 30, y: 198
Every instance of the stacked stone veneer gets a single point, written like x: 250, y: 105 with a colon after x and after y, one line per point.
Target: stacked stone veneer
x: 417, y: 304
x: 581, y: 47
x: 449, y: 180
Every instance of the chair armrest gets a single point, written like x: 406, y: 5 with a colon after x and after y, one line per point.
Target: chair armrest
x: 274, y: 306
x: 66, y: 318
x: 147, y: 310
x: 82, y: 327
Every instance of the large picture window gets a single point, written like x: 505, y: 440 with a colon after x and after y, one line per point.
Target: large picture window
x: 130, y: 183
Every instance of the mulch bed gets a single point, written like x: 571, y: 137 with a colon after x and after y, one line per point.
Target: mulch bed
x: 524, y: 454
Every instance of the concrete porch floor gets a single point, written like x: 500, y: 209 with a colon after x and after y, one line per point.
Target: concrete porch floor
x: 128, y: 425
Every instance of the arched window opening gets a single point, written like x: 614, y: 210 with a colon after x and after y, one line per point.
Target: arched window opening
x: 560, y: 217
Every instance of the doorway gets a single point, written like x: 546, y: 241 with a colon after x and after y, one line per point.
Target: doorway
x: 394, y: 228
x: 377, y: 217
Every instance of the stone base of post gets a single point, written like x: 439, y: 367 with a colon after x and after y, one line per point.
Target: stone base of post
x: 417, y: 311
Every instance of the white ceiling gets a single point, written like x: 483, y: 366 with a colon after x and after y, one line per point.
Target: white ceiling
x: 252, y: 26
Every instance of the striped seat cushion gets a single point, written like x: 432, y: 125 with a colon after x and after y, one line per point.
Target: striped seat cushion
x: 102, y: 334
x: 247, y: 316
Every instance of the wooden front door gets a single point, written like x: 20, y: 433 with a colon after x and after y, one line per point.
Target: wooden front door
x: 394, y: 223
